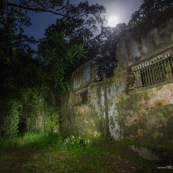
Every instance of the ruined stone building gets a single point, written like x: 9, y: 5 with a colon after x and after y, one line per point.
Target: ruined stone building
x: 139, y: 94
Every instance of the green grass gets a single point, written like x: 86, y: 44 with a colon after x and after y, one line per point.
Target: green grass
x: 31, y: 140
x: 43, y: 152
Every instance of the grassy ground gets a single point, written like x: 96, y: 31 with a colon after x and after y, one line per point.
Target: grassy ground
x: 44, y: 153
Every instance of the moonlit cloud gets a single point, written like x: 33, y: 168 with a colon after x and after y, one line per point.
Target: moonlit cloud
x: 122, y: 9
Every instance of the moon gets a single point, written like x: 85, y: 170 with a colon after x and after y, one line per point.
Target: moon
x: 113, y: 21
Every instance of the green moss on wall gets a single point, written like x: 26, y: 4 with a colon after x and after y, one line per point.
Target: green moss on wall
x: 140, y: 121
x: 84, y: 120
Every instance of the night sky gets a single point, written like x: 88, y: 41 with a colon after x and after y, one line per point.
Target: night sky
x: 122, y: 9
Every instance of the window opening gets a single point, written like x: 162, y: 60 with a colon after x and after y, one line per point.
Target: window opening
x: 84, y: 97
x: 155, y: 70
x: 81, y: 97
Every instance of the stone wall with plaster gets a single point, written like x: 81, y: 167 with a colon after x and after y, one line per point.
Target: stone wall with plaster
x: 86, y: 118
x: 144, y: 114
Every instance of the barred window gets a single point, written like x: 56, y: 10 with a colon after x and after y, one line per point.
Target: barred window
x: 155, y: 70
x: 81, y: 97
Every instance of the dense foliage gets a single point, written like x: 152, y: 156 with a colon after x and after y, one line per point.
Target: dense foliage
x: 104, y: 46
x: 87, y: 26
x: 81, y: 25
x: 149, y: 9
x: 30, y: 81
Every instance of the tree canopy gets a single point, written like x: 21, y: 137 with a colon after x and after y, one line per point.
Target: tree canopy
x: 149, y: 9
x: 27, y: 75
x: 87, y: 26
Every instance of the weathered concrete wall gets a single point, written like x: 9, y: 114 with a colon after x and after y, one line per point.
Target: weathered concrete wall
x: 89, y: 119
x: 136, y: 48
x: 81, y: 77
x: 144, y: 115
x: 85, y: 118
x: 147, y: 115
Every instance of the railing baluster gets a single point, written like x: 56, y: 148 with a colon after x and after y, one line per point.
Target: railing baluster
x: 147, y: 74
x: 171, y: 64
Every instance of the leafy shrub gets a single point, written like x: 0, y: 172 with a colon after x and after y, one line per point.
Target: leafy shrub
x: 29, y: 122
x: 36, y: 140
x: 76, y: 139
x: 9, y: 142
x: 12, y: 118
x: 52, y: 122
x: 41, y: 140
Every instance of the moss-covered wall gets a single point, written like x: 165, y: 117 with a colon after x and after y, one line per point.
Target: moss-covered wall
x: 86, y: 119
x: 81, y: 77
x: 141, y: 114
x: 89, y: 119
x: 146, y: 114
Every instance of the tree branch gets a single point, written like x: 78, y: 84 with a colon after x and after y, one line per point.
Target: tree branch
x: 35, y: 9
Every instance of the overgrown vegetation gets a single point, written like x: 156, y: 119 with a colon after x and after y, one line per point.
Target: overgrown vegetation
x: 41, y: 140
x: 32, y: 83
x: 12, y: 118
x: 44, y: 152
x: 150, y: 13
x: 52, y: 121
